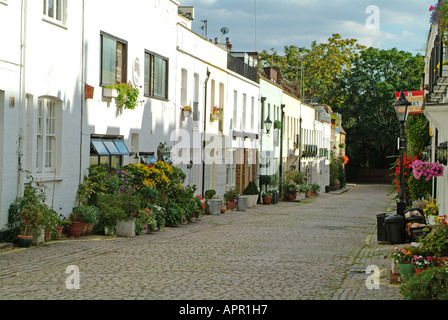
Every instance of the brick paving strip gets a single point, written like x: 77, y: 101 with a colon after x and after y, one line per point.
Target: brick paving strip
x: 314, y: 250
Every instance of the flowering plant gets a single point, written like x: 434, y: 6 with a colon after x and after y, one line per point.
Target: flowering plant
x: 439, y: 16
x: 432, y: 209
x: 401, y: 255
x: 421, y: 262
x: 427, y: 169
x: 216, y: 113
x: 436, y: 241
x: 127, y: 95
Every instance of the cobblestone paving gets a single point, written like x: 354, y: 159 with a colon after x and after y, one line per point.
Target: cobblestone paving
x: 318, y: 249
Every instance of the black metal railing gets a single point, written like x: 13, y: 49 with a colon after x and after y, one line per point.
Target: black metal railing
x: 238, y: 66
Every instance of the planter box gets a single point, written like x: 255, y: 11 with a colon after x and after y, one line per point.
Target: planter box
x: 300, y: 196
x: 251, y: 200
x: 126, y: 228
x: 215, y: 206
x: 110, y: 93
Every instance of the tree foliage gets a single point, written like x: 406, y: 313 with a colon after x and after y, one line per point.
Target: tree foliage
x: 357, y: 82
x: 324, y: 66
x: 369, y: 118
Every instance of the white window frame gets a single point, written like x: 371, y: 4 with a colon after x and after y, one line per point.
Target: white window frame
x: 55, y: 11
x: 48, y: 135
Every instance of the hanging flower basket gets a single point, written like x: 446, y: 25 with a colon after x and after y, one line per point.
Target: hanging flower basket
x: 216, y: 114
x: 426, y: 170
x: 126, y: 95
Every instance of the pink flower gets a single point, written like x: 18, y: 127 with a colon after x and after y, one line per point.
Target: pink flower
x: 431, y: 8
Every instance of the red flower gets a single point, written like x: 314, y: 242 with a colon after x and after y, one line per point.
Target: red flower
x: 431, y: 8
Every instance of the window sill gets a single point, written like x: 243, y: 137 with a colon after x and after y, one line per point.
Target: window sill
x: 156, y: 98
x: 4, y: 2
x: 54, y: 22
x: 47, y: 177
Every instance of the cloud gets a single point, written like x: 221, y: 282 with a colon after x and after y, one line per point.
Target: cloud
x: 291, y: 22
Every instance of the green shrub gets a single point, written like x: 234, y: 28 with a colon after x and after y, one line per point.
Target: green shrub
x: 431, y: 284
x: 251, y: 189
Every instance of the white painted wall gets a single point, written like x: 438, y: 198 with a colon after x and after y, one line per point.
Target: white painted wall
x: 42, y: 67
x: 153, y: 28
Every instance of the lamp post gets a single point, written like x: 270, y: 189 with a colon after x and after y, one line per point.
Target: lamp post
x: 268, y: 124
x: 401, y: 109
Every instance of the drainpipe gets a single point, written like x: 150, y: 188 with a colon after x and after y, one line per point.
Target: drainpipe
x: 263, y: 100
x: 281, y: 152
x: 203, y: 134
x: 82, y: 92
x: 23, y: 27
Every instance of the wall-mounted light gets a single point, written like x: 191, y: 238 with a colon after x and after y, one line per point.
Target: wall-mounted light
x: 135, y: 154
x: 190, y: 165
x: 268, y: 124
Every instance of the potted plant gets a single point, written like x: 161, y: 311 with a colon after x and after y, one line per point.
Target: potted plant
x: 126, y: 95
x: 90, y: 218
x: 216, y: 113
x: 436, y: 242
x: 274, y: 197
x: 304, y: 189
x: 187, y: 111
x: 76, y: 218
x: 314, y: 188
x: 29, y: 215
x: 421, y: 262
x: 51, y: 222
x: 291, y: 191
x: 402, y: 257
x: 231, y: 198
x: 431, y: 211
x: 267, y: 197
x: 252, y: 194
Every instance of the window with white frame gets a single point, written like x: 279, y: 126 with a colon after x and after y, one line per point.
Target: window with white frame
x: 244, y: 115
x: 196, y: 97
x: 235, y: 108
x: 156, y: 76
x: 55, y: 10
x: 48, y: 133
x: 184, y: 87
x: 252, y: 113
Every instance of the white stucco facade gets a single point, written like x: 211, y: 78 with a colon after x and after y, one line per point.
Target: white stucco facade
x: 39, y: 102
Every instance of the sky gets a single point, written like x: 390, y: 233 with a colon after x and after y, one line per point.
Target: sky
x: 257, y: 25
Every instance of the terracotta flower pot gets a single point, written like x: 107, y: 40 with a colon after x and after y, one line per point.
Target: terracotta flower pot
x: 75, y: 228
x: 267, y: 200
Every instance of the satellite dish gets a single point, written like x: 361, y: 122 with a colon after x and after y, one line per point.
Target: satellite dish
x: 224, y: 30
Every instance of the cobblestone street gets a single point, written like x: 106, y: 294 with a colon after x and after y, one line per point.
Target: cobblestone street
x: 318, y: 249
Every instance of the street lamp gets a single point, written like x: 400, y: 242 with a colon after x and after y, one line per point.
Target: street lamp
x: 401, y: 109
x: 268, y: 124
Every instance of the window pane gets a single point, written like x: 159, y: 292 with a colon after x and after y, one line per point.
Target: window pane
x: 115, y: 162
x: 59, y: 10
x: 159, y: 77
x: 109, y: 58
x: 147, y: 86
x: 110, y: 145
x: 100, y: 148
x: 120, y: 64
x: 49, y: 152
x: 50, y: 121
x: 122, y: 149
x: 50, y: 12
